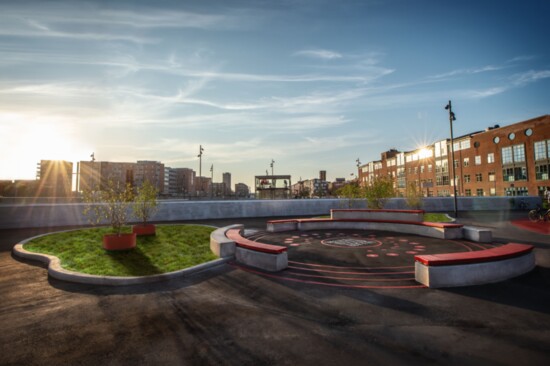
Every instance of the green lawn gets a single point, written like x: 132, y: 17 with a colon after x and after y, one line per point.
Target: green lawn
x: 174, y: 247
x: 436, y: 217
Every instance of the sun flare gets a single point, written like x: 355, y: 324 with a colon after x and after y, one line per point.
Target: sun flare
x: 31, y: 141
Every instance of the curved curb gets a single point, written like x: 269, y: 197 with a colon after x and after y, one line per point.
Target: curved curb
x: 56, y: 271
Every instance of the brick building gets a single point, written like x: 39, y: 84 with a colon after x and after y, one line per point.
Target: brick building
x: 95, y: 174
x: 512, y: 160
x: 55, y: 178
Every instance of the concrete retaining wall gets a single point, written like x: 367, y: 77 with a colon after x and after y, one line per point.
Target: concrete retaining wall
x: 51, y: 215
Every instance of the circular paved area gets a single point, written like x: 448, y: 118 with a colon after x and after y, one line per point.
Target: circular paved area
x: 355, y: 258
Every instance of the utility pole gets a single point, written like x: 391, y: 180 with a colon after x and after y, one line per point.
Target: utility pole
x: 200, y: 167
x: 451, y: 119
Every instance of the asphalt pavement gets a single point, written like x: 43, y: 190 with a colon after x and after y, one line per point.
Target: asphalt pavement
x: 230, y: 316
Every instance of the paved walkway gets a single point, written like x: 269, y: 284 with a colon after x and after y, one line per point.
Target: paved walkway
x: 228, y: 316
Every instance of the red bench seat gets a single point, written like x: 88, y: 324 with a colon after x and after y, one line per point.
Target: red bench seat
x: 507, y: 251
x: 235, y: 235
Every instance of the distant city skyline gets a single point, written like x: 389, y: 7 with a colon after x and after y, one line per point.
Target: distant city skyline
x: 311, y: 85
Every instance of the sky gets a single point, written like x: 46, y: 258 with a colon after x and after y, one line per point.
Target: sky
x: 310, y: 84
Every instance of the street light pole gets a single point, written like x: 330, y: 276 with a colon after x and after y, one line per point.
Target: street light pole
x: 200, y: 167
x: 212, y: 181
x: 451, y: 119
x: 272, y: 162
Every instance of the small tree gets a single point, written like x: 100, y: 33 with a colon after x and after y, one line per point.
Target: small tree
x: 378, y: 191
x: 145, y: 205
x: 110, y: 204
x: 350, y: 191
x: 414, y: 196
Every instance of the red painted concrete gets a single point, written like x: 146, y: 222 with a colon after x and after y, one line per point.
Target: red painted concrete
x: 507, y: 251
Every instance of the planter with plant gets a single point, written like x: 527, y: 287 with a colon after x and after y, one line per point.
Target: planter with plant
x: 111, y: 205
x: 144, y: 208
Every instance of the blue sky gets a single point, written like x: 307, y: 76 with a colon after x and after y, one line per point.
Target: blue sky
x: 311, y: 84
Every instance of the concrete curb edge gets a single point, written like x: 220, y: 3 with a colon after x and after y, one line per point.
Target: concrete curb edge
x: 56, y: 271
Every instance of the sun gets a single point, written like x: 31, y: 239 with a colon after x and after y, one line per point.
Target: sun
x: 27, y: 141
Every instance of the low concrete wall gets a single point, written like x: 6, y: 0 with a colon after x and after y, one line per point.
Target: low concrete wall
x: 52, y: 215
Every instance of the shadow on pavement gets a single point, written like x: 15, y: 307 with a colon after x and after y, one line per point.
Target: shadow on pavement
x: 530, y: 291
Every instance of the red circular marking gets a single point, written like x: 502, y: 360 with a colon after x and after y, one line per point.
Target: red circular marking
x: 411, y: 252
x: 372, y: 255
x: 392, y: 254
x: 294, y: 245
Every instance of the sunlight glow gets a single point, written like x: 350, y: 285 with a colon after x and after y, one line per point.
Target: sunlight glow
x: 34, y: 139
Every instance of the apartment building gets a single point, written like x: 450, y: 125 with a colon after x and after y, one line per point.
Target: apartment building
x: 226, y: 177
x: 512, y: 160
x: 181, y: 182
x: 149, y: 171
x: 55, y: 178
x: 94, y: 175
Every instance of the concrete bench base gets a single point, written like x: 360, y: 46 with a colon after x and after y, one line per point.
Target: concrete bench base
x: 227, y: 242
x: 478, y: 234
x: 474, y: 268
x: 265, y: 261
x: 220, y: 244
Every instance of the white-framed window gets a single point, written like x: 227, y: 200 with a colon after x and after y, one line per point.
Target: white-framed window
x: 490, y: 158
x: 540, y: 150
x: 478, y: 159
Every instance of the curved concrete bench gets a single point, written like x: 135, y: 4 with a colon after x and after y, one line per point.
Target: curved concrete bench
x: 400, y: 215
x: 220, y: 244
x: 474, y: 268
x: 431, y: 229
x: 272, y: 258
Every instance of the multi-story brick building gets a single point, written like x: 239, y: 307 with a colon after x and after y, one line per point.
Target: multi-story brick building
x: 55, y: 178
x: 149, y: 171
x: 94, y: 175
x: 512, y: 160
x: 181, y: 182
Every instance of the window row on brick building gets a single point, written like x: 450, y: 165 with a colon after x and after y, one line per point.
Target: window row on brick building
x: 513, y: 160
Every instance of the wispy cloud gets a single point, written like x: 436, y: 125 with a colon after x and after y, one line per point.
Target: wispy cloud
x: 468, y: 71
x: 319, y: 53
x: 530, y: 76
x: 484, y: 93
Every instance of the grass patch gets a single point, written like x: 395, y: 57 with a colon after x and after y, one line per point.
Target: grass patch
x: 436, y: 217
x: 174, y: 247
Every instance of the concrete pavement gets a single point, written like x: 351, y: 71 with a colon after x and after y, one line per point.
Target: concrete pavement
x: 228, y: 316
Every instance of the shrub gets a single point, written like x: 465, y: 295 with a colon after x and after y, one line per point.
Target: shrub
x: 378, y: 191
x: 110, y: 204
x: 145, y: 204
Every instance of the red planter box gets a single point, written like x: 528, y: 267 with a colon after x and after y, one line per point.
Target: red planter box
x: 141, y: 230
x: 119, y: 242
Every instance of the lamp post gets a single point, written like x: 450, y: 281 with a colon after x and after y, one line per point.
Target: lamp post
x: 200, y: 167
x: 451, y: 119
x: 212, y: 181
x: 271, y: 165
